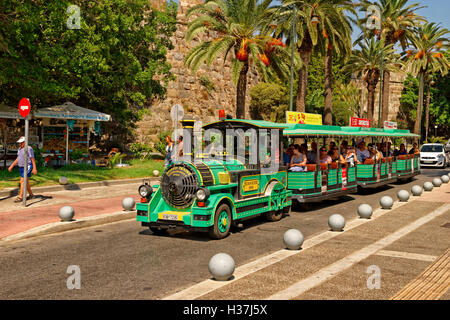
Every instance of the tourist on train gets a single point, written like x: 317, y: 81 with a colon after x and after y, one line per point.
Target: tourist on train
x: 312, y: 154
x: 298, y: 160
x: 287, y: 155
x: 350, y: 157
x: 415, y: 149
x: 362, y: 153
x: 401, y: 152
x: 336, y: 156
x: 344, y: 146
x: 374, y: 153
x: 332, y: 145
x: 324, y: 157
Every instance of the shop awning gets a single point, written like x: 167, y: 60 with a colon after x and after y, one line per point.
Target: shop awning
x: 68, y: 110
x: 9, y: 112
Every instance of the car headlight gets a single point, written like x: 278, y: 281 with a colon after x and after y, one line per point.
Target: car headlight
x: 202, y: 194
x: 145, y: 191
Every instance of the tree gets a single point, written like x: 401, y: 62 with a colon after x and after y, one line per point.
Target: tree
x: 366, y: 62
x: 115, y: 63
x: 234, y: 26
x: 398, y: 19
x: 346, y: 103
x: 306, y: 13
x: 269, y: 101
x: 335, y: 43
x: 425, y: 57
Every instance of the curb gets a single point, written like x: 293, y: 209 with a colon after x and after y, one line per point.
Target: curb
x: 56, y: 227
x: 76, y: 186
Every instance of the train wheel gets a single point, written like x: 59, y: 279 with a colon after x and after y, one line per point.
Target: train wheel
x: 158, y: 230
x: 222, y: 222
x: 274, y: 215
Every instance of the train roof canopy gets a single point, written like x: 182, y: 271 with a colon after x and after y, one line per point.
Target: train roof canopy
x: 245, y: 124
x: 316, y: 130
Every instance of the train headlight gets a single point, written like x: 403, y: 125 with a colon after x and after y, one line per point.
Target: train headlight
x: 202, y: 194
x: 145, y: 191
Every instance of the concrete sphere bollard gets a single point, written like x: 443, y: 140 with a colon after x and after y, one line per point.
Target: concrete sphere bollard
x: 63, y: 180
x: 155, y: 173
x: 336, y: 222
x: 437, y: 182
x: 128, y: 204
x: 445, y: 179
x: 66, y: 213
x: 293, y: 239
x: 428, y: 186
x: 365, y: 211
x: 416, y: 190
x: 403, y: 196
x: 386, y: 202
x: 221, y: 266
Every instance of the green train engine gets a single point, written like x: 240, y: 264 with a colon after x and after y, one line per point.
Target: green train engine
x: 214, y: 190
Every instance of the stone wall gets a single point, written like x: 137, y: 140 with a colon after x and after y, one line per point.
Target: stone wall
x: 189, y: 89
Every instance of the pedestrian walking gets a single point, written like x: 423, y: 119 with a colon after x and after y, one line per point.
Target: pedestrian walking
x: 20, y: 161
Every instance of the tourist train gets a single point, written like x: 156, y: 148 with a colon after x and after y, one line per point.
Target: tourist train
x: 232, y: 170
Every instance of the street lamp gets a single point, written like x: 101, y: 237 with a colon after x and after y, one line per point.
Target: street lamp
x: 435, y: 131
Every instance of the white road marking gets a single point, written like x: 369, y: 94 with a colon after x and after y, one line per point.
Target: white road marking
x: 332, y: 270
x: 210, y: 285
x: 406, y: 255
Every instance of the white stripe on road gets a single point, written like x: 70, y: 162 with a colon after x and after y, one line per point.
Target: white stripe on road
x: 210, y: 285
x: 332, y: 270
x: 406, y: 255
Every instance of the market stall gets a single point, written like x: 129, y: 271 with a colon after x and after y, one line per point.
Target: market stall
x: 65, y: 131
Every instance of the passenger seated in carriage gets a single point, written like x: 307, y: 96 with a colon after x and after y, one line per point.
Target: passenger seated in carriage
x: 336, y: 156
x: 324, y: 157
x: 298, y: 160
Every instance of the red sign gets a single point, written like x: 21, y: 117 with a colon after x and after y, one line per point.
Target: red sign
x: 24, y: 107
x: 390, y: 125
x: 358, y: 122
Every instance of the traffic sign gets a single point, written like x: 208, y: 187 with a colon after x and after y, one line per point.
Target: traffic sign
x: 24, y: 107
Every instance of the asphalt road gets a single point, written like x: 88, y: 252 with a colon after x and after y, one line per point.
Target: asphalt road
x: 126, y: 261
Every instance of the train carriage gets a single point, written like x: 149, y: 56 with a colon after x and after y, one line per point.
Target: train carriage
x: 210, y: 191
x: 320, y: 181
x: 372, y: 174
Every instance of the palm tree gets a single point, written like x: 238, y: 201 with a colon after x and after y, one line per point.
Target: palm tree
x: 398, y: 19
x: 234, y: 26
x: 335, y: 40
x: 306, y: 13
x: 425, y: 57
x: 366, y: 63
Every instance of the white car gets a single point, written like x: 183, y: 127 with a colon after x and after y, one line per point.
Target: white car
x: 434, y: 155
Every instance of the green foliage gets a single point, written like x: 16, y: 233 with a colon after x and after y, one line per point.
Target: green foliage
x: 115, y: 63
x: 346, y: 103
x: 115, y: 159
x: 76, y: 154
x: 160, y: 145
x: 207, y: 83
x: 269, y: 101
x: 408, y: 101
x: 140, y: 150
x: 38, y: 157
x: 431, y: 139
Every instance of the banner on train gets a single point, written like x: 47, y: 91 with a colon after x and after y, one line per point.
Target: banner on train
x: 303, y: 118
x: 359, y: 122
x: 390, y: 125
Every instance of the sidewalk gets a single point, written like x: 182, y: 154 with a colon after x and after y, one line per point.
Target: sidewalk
x: 43, y: 209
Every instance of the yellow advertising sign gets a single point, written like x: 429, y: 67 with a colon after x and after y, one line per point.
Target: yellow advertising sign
x: 250, y: 185
x: 303, y: 118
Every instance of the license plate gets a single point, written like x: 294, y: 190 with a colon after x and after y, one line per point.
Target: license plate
x: 427, y: 161
x: 170, y: 217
